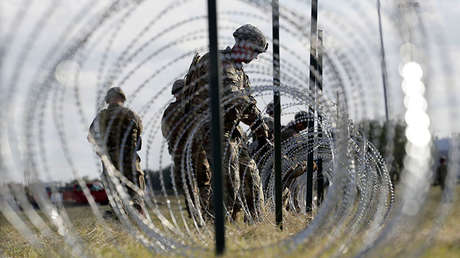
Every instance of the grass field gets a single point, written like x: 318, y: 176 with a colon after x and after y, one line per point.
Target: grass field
x: 113, y: 241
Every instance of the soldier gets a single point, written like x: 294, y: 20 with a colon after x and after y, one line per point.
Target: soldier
x: 293, y: 130
x: 299, y: 124
x: 259, y: 147
x: 269, y: 120
x: 240, y: 171
x: 117, y: 130
x: 174, y: 130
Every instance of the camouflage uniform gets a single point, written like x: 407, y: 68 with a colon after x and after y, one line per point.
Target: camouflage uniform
x: 257, y: 144
x: 298, y: 166
x: 288, y: 132
x: 270, y: 123
x: 240, y: 171
x: 117, y: 130
x: 174, y: 130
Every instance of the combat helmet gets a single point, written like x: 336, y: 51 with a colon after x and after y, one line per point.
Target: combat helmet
x: 177, y: 86
x: 301, y: 117
x: 114, y: 92
x: 270, y: 108
x: 252, y: 34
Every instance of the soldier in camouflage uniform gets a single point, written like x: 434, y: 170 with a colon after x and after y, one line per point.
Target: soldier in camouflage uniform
x: 258, y: 147
x: 293, y: 130
x: 242, y: 180
x: 269, y: 120
x: 117, y: 131
x: 299, y: 124
x: 174, y: 130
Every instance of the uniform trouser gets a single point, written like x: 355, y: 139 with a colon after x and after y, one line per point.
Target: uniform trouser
x: 131, y: 170
x: 202, y: 172
x: 243, y: 186
x: 197, y: 180
x: 180, y: 183
x: 292, y: 190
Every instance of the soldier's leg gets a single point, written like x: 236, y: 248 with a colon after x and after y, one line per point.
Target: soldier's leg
x: 251, y: 186
x: 109, y: 213
x: 286, y: 195
x: 133, y: 172
x: 230, y: 173
x: 232, y: 177
x: 195, y: 177
x: 177, y: 173
x: 138, y: 198
x: 295, y: 196
x: 203, y: 178
x: 181, y: 188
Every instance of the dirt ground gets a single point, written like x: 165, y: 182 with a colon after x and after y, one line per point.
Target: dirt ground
x: 112, y: 240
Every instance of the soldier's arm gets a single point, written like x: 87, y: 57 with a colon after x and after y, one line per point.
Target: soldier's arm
x: 90, y: 136
x: 243, y: 103
x: 94, y: 134
x: 93, y: 130
x: 135, y: 127
x: 287, y: 133
x: 252, y: 117
x: 139, y: 132
x: 138, y: 120
x: 133, y: 140
x: 90, y: 132
x: 138, y: 139
x: 136, y: 133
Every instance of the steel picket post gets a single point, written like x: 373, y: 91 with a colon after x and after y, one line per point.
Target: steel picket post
x: 277, y: 113
x: 216, y: 128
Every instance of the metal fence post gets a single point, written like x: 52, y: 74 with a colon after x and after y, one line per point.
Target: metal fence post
x: 383, y: 62
x: 311, y: 124
x: 216, y: 128
x: 320, y: 176
x: 277, y: 111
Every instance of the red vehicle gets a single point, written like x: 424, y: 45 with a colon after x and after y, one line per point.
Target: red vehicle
x: 75, y: 194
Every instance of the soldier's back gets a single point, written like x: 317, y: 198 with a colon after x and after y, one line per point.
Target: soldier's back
x: 117, y: 124
x: 198, y: 79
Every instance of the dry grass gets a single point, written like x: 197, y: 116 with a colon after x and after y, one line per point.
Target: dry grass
x: 114, y: 241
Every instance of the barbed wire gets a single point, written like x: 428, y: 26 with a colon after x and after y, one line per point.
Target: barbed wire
x: 53, y: 80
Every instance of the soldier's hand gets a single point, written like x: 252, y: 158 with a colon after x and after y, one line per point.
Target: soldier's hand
x: 300, y: 170
x: 264, y: 142
x: 271, y: 136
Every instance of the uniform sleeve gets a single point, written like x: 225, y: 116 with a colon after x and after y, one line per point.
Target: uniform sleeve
x: 140, y: 128
x: 91, y: 130
x: 136, y: 130
x: 245, y: 103
x: 95, y: 133
x: 231, y: 83
x: 138, y: 138
x: 252, y: 117
x: 287, y: 133
x: 95, y: 130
